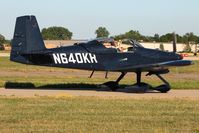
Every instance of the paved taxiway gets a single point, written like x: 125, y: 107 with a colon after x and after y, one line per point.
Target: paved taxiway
x: 187, y: 94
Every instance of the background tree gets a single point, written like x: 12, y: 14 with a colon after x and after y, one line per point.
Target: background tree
x: 167, y: 37
x: 190, y: 38
x: 179, y: 38
x: 56, y: 33
x: 2, y: 40
x: 157, y: 37
x: 102, y: 32
x: 133, y: 35
x: 130, y: 35
x: 197, y: 41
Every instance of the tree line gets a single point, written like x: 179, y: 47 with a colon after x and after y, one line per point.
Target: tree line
x: 56, y: 33
x: 61, y: 33
x: 2, y: 41
x: 187, y: 38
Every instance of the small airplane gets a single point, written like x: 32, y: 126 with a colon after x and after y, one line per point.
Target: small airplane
x: 95, y: 55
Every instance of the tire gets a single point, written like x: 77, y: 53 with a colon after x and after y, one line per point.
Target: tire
x: 112, y: 85
x: 163, y: 88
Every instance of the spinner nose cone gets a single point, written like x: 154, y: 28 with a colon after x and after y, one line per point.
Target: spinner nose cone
x: 179, y: 56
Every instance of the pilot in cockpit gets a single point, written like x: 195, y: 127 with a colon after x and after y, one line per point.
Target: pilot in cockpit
x: 113, y: 44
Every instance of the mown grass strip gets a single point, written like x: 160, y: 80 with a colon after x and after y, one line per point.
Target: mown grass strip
x: 24, y: 76
x: 77, y: 114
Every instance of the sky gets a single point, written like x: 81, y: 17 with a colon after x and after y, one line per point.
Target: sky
x: 83, y: 17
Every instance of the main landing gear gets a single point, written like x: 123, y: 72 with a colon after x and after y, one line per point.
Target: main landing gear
x: 113, y: 85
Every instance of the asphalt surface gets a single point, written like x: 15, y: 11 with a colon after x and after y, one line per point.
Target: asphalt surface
x: 185, y: 94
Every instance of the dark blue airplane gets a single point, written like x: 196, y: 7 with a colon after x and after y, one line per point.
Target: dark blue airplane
x: 28, y: 48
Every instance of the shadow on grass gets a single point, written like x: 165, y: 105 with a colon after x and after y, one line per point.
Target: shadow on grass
x: 69, y: 86
x: 62, y: 86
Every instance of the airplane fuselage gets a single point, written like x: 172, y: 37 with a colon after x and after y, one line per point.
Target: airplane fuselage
x: 79, y: 57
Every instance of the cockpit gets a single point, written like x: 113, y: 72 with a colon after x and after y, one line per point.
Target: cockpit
x: 109, y: 45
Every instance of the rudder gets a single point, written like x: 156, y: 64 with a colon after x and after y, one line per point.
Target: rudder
x: 27, y: 38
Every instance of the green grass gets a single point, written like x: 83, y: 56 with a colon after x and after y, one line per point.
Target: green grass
x: 90, y: 114
x: 95, y: 115
x: 4, y: 51
x: 76, y: 82
x: 189, y: 69
x: 20, y: 75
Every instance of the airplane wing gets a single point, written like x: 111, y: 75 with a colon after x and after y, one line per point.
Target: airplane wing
x: 156, y: 66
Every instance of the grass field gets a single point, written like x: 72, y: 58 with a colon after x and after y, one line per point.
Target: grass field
x: 4, y: 51
x: 94, y: 115
x: 19, y: 75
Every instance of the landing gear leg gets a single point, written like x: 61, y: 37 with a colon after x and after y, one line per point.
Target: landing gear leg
x: 121, y: 77
x: 106, y: 76
x: 163, y: 88
x: 140, y: 86
x: 113, y: 85
x: 139, y: 75
x: 91, y: 74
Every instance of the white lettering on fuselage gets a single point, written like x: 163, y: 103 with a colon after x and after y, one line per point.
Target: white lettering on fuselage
x: 79, y: 58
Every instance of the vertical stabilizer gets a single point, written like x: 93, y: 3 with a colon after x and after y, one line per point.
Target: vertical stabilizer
x: 27, y: 38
